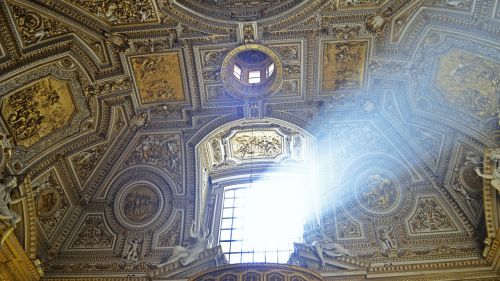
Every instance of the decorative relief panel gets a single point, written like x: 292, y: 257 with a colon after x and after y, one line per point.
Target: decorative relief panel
x: 401, y: 21
x: 343, y: 66
x: 172, y: 236
x: 347, y: 227
x: 159, y: 78
x: 93, y: 234
x: 38, y: 109
x: 163, y: 151
x: 429, y: 216
x: 216, y: 93
x: 213, y: 58
x: 254, y: 272
x: 430, y: 142
x: 463, y: 183
x: 345, y: 4
x: 288, y: 52
x: 461, y: 5
x: 118, y: 12
x: 496, y: 14
x: 289, y: 88
x: 378, y: 192
x: 469, y: 82
x: 51, y: 202
x: 355, y: 139
x: 34, y: 28
x: 243, y: 10
x: 247, y: 145
x: 86, y: 161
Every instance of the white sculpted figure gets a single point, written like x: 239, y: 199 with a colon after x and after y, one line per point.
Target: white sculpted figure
x: 324, y: 245
x: 187, y: 255
x: 132, y: 254
x: 495, y: 176
x: 387, y: 239
x: 8, y: 218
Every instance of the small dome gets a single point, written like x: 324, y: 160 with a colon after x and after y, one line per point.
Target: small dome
x: 252, y: 67
x: 251, y: 71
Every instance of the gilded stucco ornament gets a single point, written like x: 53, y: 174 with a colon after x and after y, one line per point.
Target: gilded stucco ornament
x: 377, y: 22
x: 120, y: 12
x: 118, y: 40
x: 495, y: 174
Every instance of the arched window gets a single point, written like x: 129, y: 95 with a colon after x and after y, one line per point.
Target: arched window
x: 261, y: 188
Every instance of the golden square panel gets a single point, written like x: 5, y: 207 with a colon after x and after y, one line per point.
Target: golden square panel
x: 38, y: 109
x: 158, y: 78
x: 343, y: 66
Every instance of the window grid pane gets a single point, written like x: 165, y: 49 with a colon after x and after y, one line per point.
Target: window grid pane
x: 232, y: 237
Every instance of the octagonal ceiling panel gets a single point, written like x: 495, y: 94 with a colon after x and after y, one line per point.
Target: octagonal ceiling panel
x: 38, y: 109
x: 469, y: 82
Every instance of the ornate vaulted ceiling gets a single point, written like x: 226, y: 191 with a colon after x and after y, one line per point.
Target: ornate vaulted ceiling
x: 105, y: 100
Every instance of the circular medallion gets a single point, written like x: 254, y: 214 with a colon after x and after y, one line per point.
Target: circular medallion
x: 251, y: 71
x: 48, y: 202
x: 377, y: 193
x: 139, y: 204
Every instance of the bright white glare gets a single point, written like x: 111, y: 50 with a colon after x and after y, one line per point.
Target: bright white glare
x: 270, y: 69
x: 237, y: 72
x: 275, y: 209
x: 254, y: 77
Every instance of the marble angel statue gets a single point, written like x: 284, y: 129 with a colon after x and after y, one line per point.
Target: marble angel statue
x: 8, y: 218
x: 495, y: 176
x: 323, y: 245
x: 189, y: 254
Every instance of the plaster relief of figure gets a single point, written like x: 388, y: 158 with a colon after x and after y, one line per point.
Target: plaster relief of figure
x: 387, y: 238
x: 132, y: 252
x: 495, y: 176
x: 324, y: 246
x: 189, y: 254
x: 8, y: 218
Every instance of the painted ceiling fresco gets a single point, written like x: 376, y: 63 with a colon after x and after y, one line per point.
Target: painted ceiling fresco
x: 119, y: 116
